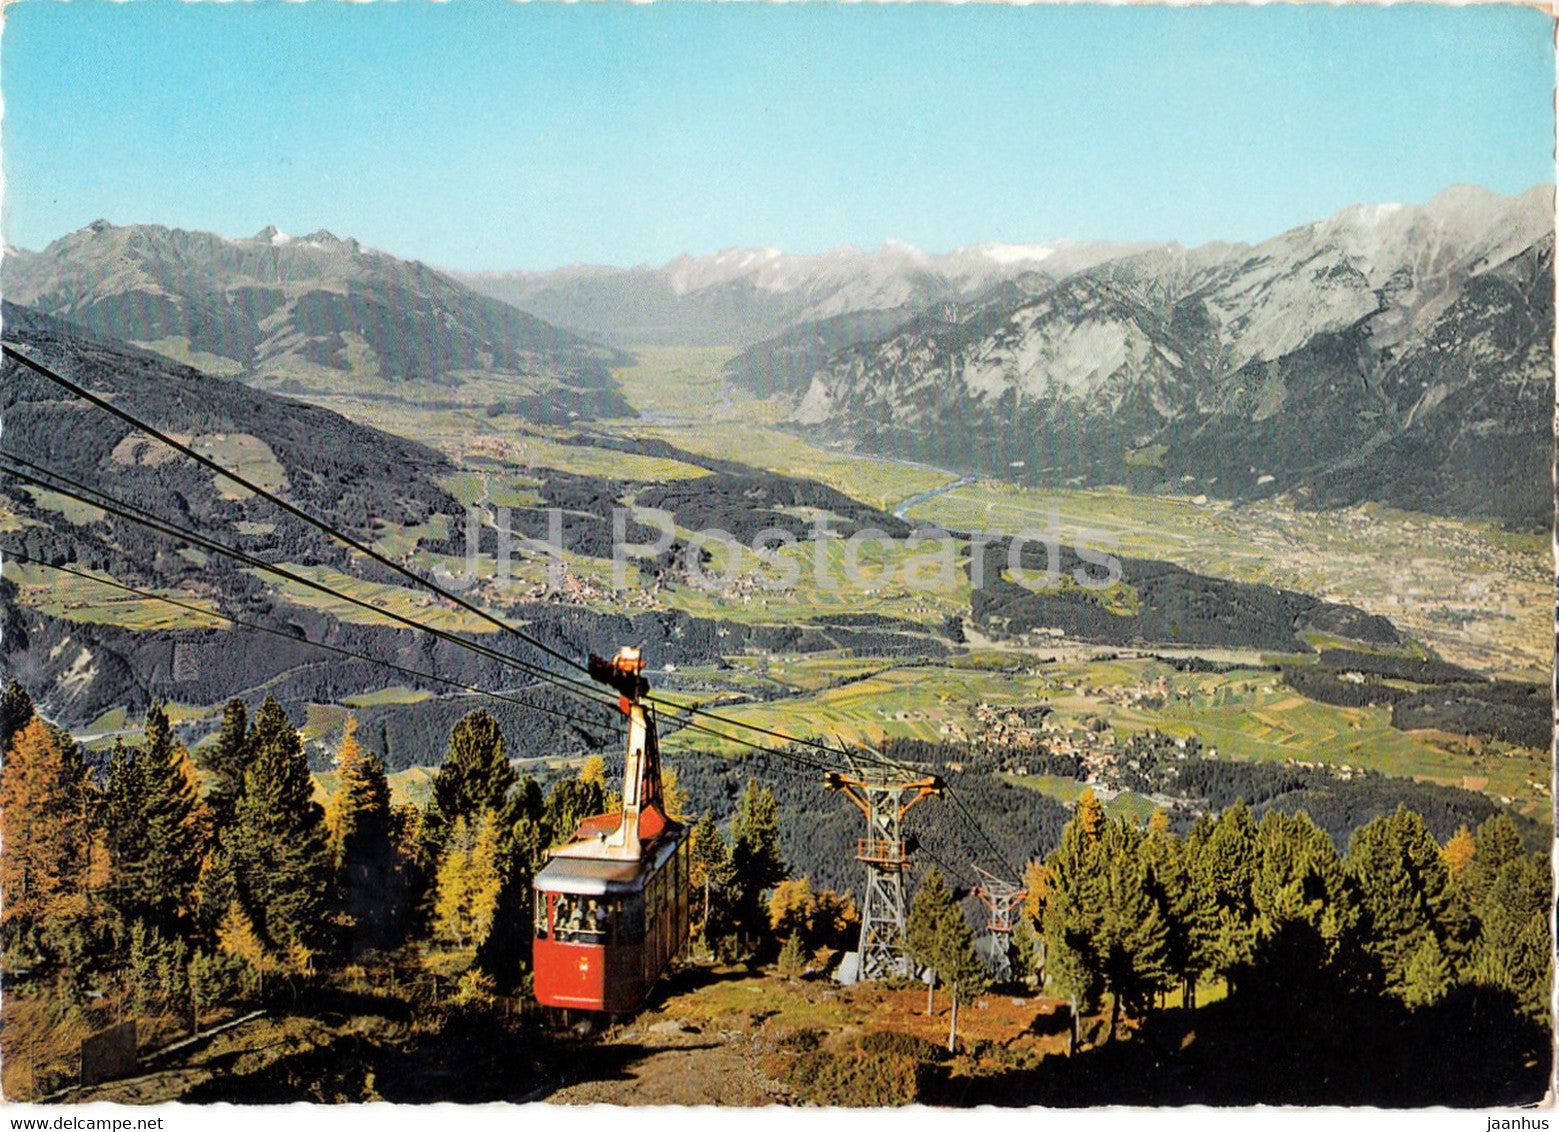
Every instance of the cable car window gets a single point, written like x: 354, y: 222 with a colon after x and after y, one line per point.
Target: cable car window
x: 580, y: 919
x: 541, y: 915
x: 630, y: 921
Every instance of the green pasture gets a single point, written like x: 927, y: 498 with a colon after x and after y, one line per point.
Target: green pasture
x: 396, y: 540
x: 177, y: 347
x: 395, y: 694
x: 535, y: 450
x: 80, y: 514
x: 416, y: 604
x: 78, y: 599
x: 1250, y: 714
x: 249, y: 456
x: 913, y: 702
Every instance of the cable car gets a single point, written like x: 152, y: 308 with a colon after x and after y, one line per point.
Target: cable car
x: 612, y: 903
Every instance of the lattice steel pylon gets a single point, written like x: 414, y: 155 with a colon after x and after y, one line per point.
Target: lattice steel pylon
x: 1001, y: 899
x: 880, y: 793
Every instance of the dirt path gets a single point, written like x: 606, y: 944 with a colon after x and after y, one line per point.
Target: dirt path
x: 666, y: 1064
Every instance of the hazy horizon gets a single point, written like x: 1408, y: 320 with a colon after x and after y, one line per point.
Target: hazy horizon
x: 886, y: 244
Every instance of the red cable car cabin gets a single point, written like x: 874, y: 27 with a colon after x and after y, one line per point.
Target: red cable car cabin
x: 612, y: 904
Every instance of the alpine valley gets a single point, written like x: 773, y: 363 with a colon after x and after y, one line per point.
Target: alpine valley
x: 1319, y: 467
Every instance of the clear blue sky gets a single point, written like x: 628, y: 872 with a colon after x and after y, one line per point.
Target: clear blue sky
x: 487, y: 134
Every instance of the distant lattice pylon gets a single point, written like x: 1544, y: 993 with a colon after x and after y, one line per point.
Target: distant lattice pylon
x: 1001, y: 900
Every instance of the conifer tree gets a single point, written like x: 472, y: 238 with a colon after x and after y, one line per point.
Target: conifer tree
x: 1496, y: 845
x: 710, y: 870
x: 756, y: 863
x: 791, y: 908
x: 1025, y: 951
x: 1514, y: 950
x: 923, y: 928
x: 280, y: 851
x: 453, y: 885
x: 1401, y: 880
x: 217, y: 885
x: 43, y: 829
x: 836, y: 921
x: 1074, y: 912
x: 571, y: 801
x: 1228, y: 857
x: 362, y: 842
x: 1459, y: 851
x: 963, y: 971
x: 522, y: 846
x: 1184, y: 896
x: 673, y: 797
x: 1037, y: 880
x: 158, y: 830
x: 938, y: 935
x: 1428, y: 974
x: 237, y: 937
x: 469, y: 881
x: 225, y: 760
x: 475, y: 777
x: 1133, y: 938
x: 16, y: 711
x: 487, y: 878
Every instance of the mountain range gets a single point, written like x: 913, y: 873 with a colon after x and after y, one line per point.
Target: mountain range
x: 309, y: 314
x: 1400, y: 353
x: 740, y: 296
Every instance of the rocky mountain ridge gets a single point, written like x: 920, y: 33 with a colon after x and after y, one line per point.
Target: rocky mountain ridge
x: 1401, y: 354
x: 739, y: 296
x: 315, y: 312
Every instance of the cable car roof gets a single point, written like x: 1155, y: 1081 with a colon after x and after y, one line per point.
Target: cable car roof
x: 583, y: 876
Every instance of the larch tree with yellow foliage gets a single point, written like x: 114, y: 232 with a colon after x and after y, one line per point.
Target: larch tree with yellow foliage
x: 238, y: 939
x: 363, y: 844
x: 1459, y: 852
x: 469, y: 883
x: 44, y: 868
x: 594, y: 771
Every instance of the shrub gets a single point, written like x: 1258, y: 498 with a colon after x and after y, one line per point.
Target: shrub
x: 854, y: 1079
x: 896, y: 1042
x: 804, y: 1040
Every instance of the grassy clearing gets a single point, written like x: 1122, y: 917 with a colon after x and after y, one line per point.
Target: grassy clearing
x: 880, y: 483
x: 77, y: 599
x: 397, y: 694
x: 247, y: 455
x: 538, y: 451
x: 403, y: 600
x: 177, y: 347
x: 919, y: 702
x: 1067, y: 790
x: 397, y: 540
x: 81, y: 514
x: 493, y: 488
